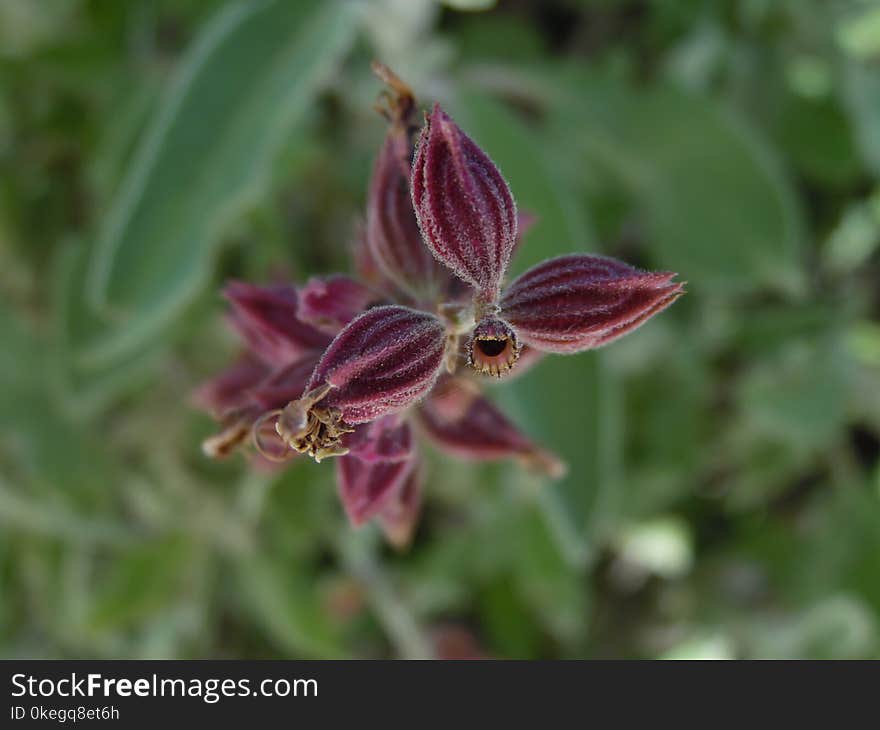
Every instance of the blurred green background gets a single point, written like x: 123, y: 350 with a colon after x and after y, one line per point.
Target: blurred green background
x: 724, y: 491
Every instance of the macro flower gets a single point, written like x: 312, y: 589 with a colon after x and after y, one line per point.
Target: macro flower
x: 363, y: 368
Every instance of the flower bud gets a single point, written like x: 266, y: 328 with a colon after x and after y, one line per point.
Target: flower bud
x: 464, y: 207
x: 492, y: 348
x: 578, y: 302
x: 383, y: 361
x: 392, y: 232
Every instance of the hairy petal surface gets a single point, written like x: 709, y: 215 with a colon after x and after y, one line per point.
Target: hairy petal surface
x: 578, y: 302
x: 329, y: 303
x: 463, y: 423
x: 383, y: 361
x: 385, y: 439
x: 367, y: 485
x: 267, y: 318
x: 464, y: 206
x: 392, y: 232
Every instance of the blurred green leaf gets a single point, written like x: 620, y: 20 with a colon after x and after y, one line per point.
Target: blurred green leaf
x: 509, y: 627
x: 85, y: 386
x: 469, y: 4
x: 140, y: 583
x: 816, y: 133
x: 285, y: 604
x: 799, y: 396
x: 247, y: 81
x: 861, y: 90
x: 572, y: 406
x: 695, y: 168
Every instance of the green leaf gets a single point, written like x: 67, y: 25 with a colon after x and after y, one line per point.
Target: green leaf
x: 287, y: 607
x: 861, y: 90
x: 245, y: 84
x: 716, y: 204
x: 85, y: 386
x: 572, y: 405
x: 469, y: 5
x: 799, y: 396
x: 140, y: 583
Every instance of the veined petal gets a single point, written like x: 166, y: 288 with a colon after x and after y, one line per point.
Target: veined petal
x: 578, y: 302
x: 331, y: 302
x: 283, y: 385
x: 384, y: 360
x: 392, y: 232
x: 267, y: 319
x: 465, y: 210
x: 465, y: 424
x: 365, y: 488
x: 385, y: 439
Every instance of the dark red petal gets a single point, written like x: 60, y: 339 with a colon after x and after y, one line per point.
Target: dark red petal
x: 365, y: 266
x: 283, y: 385
x: 267, y: 319
x: 577, y: 302
x: 398, y: 517
x: 229, y: 389
x: 365, y: 488
x: 465, y: 424
x: 331, y: 302
x: 385, y: 439
x: 392, y: 232
x: 464, y: 206
x: 383, y: 361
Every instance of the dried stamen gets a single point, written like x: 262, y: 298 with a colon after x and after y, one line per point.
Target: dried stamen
x: 310, y: 430
x: 236, y: 426
x: 267, y: 441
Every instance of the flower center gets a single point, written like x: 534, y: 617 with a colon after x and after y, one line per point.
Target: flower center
x: 493, y: 356
x: 492, y: 348
x: 305, y: 427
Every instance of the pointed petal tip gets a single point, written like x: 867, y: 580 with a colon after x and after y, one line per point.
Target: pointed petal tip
x: 579, y: 302
x: 545, y: 462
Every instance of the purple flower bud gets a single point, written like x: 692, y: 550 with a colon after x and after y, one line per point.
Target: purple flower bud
x: 492, y: 348
x: 392, y: 233
x: 331, y: 303
x: 267, y: 319
x: 578, y: 302
x: 383, y: 361
x: 366, y: 486
x: 465, y: 424
x: 464, y: 207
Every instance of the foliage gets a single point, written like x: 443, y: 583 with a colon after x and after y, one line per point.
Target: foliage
x: 723, y: 497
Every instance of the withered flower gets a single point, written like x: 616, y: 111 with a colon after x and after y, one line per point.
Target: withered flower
x: 353, y: 367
